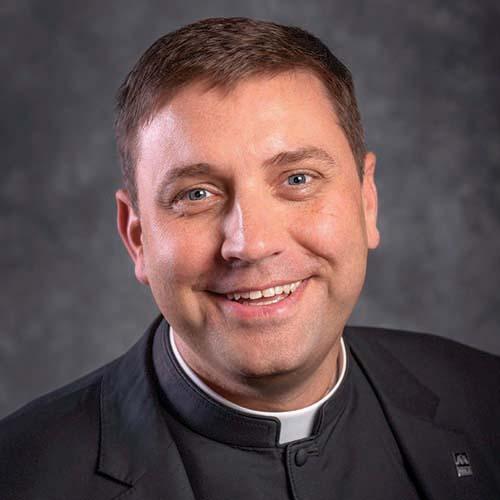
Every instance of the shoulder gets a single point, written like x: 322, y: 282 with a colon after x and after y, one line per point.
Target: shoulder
x: 456, y: 373
x: 422, y: 352
x: 56, y: 435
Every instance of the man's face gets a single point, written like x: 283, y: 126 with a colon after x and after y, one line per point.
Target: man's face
x: 273, y: 198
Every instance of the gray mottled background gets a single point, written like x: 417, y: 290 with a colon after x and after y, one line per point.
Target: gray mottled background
x: 428, y: 80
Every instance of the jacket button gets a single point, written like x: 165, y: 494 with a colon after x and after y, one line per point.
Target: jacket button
x: 301, y: 457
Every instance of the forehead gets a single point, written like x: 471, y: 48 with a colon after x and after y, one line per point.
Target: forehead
x: 256, y: 119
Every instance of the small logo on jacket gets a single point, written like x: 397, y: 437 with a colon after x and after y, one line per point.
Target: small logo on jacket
x: 462, y: 464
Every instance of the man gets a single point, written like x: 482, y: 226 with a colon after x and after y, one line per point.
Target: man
x: 249, y: 206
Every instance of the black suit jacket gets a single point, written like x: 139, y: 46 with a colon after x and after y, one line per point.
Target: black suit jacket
x: 104, y: 437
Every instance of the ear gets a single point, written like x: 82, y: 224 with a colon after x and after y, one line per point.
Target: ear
x: 130, y: 230
x: 370, y: 200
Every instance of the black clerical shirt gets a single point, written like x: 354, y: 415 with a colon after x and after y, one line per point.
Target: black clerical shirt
x: 227, y: 454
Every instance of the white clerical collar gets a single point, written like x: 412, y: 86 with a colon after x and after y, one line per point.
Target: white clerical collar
x: 295, y: 424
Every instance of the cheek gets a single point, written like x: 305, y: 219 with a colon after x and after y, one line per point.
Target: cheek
x: 178, y: 258
x: 331, y: 229
x: 334, y: 233
x: 177, y: 254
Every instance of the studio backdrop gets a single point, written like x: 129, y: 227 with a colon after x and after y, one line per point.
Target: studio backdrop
x: 428, y: 85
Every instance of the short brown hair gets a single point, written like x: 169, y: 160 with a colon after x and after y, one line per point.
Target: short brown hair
x: 222, y: 52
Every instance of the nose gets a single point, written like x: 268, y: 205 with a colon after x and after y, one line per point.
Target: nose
x: 252, y: 230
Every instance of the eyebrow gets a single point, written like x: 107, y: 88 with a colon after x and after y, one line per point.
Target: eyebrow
x: 280, y: 159
x: 298, y: 155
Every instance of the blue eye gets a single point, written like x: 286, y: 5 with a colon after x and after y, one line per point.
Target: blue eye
x: 297, y: 179
x: 197, y: 194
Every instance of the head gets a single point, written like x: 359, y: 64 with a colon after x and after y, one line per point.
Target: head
x: 245, y: 167
x: 221, y: 52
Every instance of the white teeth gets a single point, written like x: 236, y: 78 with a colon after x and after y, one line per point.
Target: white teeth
x: 268, y: 292
x: 272, y: 300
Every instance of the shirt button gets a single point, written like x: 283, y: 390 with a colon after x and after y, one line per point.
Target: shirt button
x: 301, y: 457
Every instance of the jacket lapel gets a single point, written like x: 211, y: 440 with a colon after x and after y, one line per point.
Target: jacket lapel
x: 431, y: 450
x: 431, y: 453
x: 136, y: 447
x: 165, y: 480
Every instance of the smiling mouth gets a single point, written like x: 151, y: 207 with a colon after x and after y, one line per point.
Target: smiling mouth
x: 263, y: 301
x: 280, y: 307
x: 267, y: 297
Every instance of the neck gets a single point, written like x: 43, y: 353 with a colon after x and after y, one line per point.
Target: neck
x: 271, y: 393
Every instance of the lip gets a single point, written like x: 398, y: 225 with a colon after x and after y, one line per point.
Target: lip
x: 281, y: 310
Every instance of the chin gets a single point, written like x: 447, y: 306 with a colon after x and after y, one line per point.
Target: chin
x: 265, y: 366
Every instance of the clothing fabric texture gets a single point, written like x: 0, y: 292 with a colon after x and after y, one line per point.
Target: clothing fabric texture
x: 120, y: 432
x: 351, y: 452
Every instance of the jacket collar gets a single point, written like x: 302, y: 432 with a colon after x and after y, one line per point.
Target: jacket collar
x: 135, y: 446
x: 390, y: 379
x: 133, y: 435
